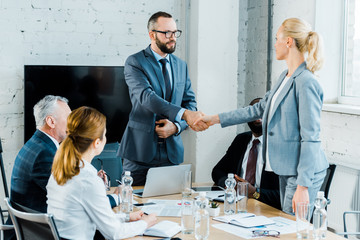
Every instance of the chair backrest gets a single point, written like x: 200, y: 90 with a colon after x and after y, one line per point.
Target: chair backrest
x: 327, y: 181
x: 110, y: 162
x: 6, y: 190
x: 39, y: 226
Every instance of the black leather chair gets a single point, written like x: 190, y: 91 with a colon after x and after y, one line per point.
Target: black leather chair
x: 327, y: 181
x: 31, y: 225
x: 110, y: 163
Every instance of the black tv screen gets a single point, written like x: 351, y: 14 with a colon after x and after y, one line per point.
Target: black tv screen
x: 103, y: 88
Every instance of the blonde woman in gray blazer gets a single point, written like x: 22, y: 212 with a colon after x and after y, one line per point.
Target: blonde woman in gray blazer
x: 291, y: 117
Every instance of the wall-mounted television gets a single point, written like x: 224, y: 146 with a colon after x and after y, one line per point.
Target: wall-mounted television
x: 101, y: 87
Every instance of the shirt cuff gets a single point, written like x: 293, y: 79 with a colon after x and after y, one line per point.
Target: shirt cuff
x: 178, y: 120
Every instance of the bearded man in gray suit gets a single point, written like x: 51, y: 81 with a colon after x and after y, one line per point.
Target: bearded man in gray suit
x: 160, y: 91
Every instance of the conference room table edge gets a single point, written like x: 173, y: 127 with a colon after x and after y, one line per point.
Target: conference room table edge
x: 254, y: 206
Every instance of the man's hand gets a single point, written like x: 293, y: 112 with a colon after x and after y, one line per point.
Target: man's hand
x: 301, y: 195
x: 165, y: 128
x: 251, y: 188
x: 190, y: 117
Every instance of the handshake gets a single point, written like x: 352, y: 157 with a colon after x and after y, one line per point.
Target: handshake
x: 198, y: 121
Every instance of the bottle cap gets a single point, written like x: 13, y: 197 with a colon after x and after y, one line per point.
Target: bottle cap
x: 320, y: 194
x: 127, y: 173
x: 230, y: 175
x: 202, y: 194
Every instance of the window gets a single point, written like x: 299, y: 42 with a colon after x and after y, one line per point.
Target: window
x: 350, y: 85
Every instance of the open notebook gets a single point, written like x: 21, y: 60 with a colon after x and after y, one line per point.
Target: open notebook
x: 245, y: 220
x: 163, y: 229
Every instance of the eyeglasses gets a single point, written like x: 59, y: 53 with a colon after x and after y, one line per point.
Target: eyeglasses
x: 168, y: 34
x: 266, y: 233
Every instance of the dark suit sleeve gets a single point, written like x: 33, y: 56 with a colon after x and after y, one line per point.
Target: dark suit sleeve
x: 42, y: 168
x: 231, y: 161
x: 141, y: 89
x: 269, y: 189
x: 188, y: 101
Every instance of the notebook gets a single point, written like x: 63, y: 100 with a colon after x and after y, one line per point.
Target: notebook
x: 245, y: 220
x: 163, y: 181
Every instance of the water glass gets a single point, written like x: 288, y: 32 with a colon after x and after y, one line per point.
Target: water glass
x: 303, y: 211
x: 242, y: 196
x: 187, y: 215
x: 187, y: 184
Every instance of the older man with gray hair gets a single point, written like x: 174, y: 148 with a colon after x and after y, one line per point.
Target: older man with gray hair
x: 32, y: 166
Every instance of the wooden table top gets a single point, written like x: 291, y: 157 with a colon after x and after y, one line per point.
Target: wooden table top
x: 254, y: 206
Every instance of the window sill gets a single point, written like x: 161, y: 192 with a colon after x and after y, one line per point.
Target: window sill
x: 342, y: 108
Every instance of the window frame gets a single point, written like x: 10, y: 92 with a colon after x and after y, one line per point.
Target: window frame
x: 342, y: 98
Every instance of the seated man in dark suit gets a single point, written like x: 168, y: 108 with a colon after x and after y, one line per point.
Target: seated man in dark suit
x: 32, y: 167
x: 242, y: 158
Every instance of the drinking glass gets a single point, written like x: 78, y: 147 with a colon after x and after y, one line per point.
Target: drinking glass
x: 303, y: 211
x: 187, y: 184
x: 242, y: 196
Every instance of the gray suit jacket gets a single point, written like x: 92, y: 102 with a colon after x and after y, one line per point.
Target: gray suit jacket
x: 144, y: 78
x: 292, y: 128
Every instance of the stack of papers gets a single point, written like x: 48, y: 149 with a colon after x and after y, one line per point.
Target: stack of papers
x: 282, y: 225
x: 245, y: 220
x: 164, y: 208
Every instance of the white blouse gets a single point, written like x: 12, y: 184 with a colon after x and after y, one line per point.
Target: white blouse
x: 80, y: 207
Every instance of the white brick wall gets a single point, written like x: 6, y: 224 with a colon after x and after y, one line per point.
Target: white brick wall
x: 67, y: 32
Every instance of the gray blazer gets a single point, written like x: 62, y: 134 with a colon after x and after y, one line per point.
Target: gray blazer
x: 145, y: 80
x: 292, y: 128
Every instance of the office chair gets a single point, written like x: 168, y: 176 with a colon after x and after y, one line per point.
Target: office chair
x: 31, y: 226
x: 327, y: 181
x: 3, y: 226
x: 6, y: 190
x: 110, y: 163
x: 346, y: 233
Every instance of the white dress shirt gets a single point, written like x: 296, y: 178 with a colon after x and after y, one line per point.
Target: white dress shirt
x: 259, y: 161
x: 80, y: 207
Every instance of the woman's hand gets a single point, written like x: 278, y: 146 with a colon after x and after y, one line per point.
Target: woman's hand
x: 135, y: 216
x: 149, y: 219
x: 301, y: 195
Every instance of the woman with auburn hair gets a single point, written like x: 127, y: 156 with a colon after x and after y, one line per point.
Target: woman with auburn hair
x: 291, y: 116
x: 76, y: 195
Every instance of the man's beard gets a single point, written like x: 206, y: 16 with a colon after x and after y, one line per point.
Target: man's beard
x: 164, y: 48
x: 255, y: 128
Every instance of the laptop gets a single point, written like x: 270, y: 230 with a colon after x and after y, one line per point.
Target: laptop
x: 163, y: 181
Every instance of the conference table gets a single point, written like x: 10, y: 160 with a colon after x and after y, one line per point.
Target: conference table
x: 254, y: 206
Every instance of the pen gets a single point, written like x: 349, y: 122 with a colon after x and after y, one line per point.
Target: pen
x: 143, y: 204
x: 146, y: 213
x: 118, y: 181
x: 221, y: 195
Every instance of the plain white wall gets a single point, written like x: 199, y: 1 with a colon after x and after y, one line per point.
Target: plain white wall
x: 213, y: 67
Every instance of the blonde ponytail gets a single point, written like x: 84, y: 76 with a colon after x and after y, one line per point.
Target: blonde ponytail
x: 314, y: 60
x: 306, y: 41
x: 84, y: 125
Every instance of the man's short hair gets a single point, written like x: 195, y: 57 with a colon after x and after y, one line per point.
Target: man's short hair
x: 153, y: 19
x: 45, y: 107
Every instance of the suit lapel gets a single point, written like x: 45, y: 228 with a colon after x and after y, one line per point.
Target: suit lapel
x: 160, y: 78
x: 286, y: 88
x: 175, y: 75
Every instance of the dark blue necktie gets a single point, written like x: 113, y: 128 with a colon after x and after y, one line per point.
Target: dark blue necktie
x: 166, y: 80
